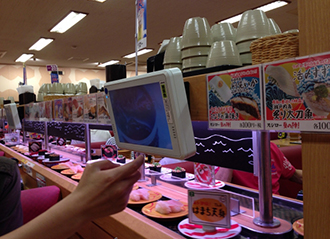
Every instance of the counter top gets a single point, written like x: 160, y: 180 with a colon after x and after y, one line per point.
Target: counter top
x: 129, y: 223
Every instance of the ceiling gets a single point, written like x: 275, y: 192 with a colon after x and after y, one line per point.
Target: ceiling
x: 107, y: 32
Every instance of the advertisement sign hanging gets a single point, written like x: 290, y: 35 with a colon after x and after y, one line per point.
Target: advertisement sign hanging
x: 235, y: 99
x: 297, y: 94
x: 141, y: 24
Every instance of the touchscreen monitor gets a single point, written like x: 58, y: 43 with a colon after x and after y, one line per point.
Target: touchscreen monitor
x: 13, y: 119
x: 150, y: 114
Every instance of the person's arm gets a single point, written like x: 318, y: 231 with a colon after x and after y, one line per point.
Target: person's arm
x: 103, y: 190
x: 224, y: 174
x: 297, y: 176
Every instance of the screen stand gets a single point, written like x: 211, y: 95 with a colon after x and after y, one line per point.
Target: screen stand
x: 266, y: 218
x: 142, y: 168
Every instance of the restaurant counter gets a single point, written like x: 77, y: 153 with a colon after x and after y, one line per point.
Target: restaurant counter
x: 132, y: 223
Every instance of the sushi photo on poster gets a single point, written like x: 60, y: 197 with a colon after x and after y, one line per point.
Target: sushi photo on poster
x: 297, y: 94
x: 234, y: 99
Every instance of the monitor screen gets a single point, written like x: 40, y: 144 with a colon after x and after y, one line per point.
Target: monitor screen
x: 150, y: 114
x: 13, y: 119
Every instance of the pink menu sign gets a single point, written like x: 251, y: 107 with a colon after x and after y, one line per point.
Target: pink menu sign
x: 297, y: 94
x: 235, y: 99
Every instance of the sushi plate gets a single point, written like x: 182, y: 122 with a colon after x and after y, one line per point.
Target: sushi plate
x: 153, y: 196
x: 196, y: 231
x: 169, y: 178
x: 162, y: 171
x: 150, y: 211
x: 298, y: 226
x: 202, y: 186
x: 77, y: 176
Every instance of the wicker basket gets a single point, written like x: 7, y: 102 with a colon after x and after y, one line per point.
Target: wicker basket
x: 275, y: 47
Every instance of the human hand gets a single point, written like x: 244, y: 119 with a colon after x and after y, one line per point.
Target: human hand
x: 105, y: 187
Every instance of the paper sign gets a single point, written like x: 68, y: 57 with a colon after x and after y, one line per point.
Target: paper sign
x: 52, y: 68
x: 209, y: 208
x: 234, y: 99
x: 141, y: 23
x: 297, y: 94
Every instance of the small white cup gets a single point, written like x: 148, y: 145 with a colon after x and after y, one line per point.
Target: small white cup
x: 173, y: 51
x: 253, y: 24
x: 196, y: 32
x: 223, y: 53
x: 223, y: 31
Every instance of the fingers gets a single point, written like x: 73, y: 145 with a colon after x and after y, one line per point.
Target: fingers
x: 102, y: 164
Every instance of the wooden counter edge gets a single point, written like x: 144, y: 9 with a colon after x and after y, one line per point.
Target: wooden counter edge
x: 127, y: 222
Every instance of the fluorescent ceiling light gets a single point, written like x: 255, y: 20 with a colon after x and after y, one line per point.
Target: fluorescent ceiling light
x: 265, y: 8
x: 272, y: 6
x: 24, y: 57
x: 40, y: 44
x: 141, y: 52
x: 98, y: 0
x: 233, y: 19
x: 71, y: 19
x: 108, y: 63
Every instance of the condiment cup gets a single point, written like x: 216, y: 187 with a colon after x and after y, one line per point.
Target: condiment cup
x: 223, y: 53
x: 253, y: 24
x: 58, y: 88
x: 47, y: 88
x: 11, y: 98
x: 291, y: 31
x: 69, y: 88
x: 82, y: 87
x: 246, y: 58
x: 197, y: 61
x: 173, y: 51
x: 244, y: 46
x: 196, y: 32
x: 274, y: 28
x: 42, y: 89
x: 195, y: 51
x: 223, y: 31
x: 172, y: 65
x: 52, y: 88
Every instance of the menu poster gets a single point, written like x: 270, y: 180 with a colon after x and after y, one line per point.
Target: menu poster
x: 48, y: 110
x: 234, y: 99
x: 297, y: 93
x: 58, y: 110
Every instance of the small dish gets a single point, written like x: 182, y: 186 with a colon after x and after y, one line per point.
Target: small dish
x: 196, y: 231
x: 153, y: 196
x: 200, y: 186
x: 168, y: 177
x: 298, y: 226
x: 49, y: 163
x: 150, y: 211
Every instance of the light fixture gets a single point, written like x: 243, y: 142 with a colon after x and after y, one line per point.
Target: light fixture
x: 108, y: 63
x: 24, y: 57
x: 98, y: 0
x: 272, y: 6
x: 71, y: 19
x: 141, y: 52
x: 265, y: 8
x: 41, y: 43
